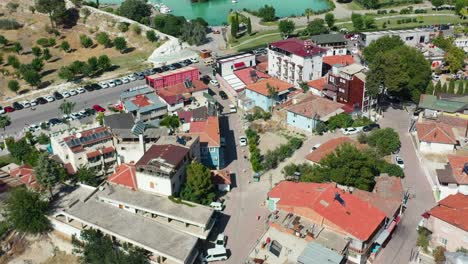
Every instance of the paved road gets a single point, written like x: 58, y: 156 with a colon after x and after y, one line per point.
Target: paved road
x: 22, y: 118
x: 403, y: 241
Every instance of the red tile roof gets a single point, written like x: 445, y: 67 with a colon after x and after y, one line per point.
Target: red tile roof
x: 297, y: 47
x: 262, y: 66
x: 245, y: 75
x: 261, y: 86
x: 338, y: 59
x: 141, y: 100
x: 328, y: 147
x: 125, y: 175
x: 178, y: 92
x: 453, y: 210
x: 318, y: 84
x: 25, y: 174
x: 318, y: 107
x: 171, y: 154
x: 435, y: 133
x: 221, y: 177
x: 207, y: 130
x: 356, y: 217
x: 457, y: 164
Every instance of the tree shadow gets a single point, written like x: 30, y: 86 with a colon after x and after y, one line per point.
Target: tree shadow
x: 114, y: 67
x: 44, y: 84
x: 54, y: 59
x: 72, y: 50
x: 45, y: 73
x: 24, y: 91
x: 128, y: 50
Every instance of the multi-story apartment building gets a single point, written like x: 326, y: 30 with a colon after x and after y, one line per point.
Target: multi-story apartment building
x: 334, y: 43
x: 295, y: 61
x: 92, y: 148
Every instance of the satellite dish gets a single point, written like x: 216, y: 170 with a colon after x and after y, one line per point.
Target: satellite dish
x: 78, y: 135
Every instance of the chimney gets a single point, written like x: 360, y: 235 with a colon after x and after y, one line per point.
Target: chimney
x: 141, y: 141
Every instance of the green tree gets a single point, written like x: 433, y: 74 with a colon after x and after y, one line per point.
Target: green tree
x: 438, y: 254
x: 18, y: 149
x: 330, y: 19
x: 460, y: 5
x: 94, y: 247
x: 386, y: 141
x: 65, y: 46
x: 151, y: 36
x: 308, y: 12
x: 3, y: 40
x: 170, y: 121
x: 451, y: 87
x: 315, y: 27
x: 55, y: 9
x: 123, y: 27
x: 13, y: 61
x: 37, y: 64
x: 378, y: 47
x: 104, y: 63
x: 85, y: 41
x: 444, y: 88
x: 17, y: 47
x: 52, y: 42
x: 267, y: 13
x: 66, y: 107
x: 235, y: 26
x: 88, y: 176
x: 14, y: 86
x: 48, y: 172
x: 430, y: 88
x: 135, y: 28
x: 460, y: 88
x: 423, y: 239
x: 194, y: 33
x: 4, y: 121
x: 66, y: 74
x: 369, y: 22
x: 286, y: 27
x: 36, y: 51
x: 32, y: 77
x: 438, y: 88
x: 339, y: 121
x: 103, y: 39
x: 135, y: 9
x: 358, y: 21
x: 249, y: 26
x: 46, y: 54
x: 304, y: 86
x: 25, y: 211
x: 199, y: 187
x: 455, y: 59
x: 437, y: 3
x: 120, y: 44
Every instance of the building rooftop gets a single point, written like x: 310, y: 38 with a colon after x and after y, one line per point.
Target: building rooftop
x: 167, y: 73
x: 237, y: 56
x: 449, y: 105
x: 454, y: 170
x: 78, y: 141
x: 25, y: 174
x: 250, y: 75
x: 338, y: 60
x: 315, y: 253
x: 197, y: 114
x: 358, y: 218
x: 316, y: 107
x: 396, y: 32
x: 130, y: 93
x: 352, y: 69
x: 221, y: 176
x: 168, y: 153
x: 195, y: 214
x: 261, y: 87
x: 298, y: 47
x: 119, y: 121
x: 181, y: 92
x: 208, y: 131
x: 143, y: 103
x: 435, y: 133
x: 329, y: 147
x: 328, y: 39
x: 134, y: 228
x: 453, y: 210
x: 124, y: 175
x: 318, y: 83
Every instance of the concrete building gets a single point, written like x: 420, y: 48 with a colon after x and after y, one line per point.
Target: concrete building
x: 93, y: 148
x: 410, y: 37
x: 435, y: 137
x: 329, y: 147
x: 462, y: 43
x: 143, y: 103
x: 171, y: 78
x: 228, y: 64
x: 177, y: 96
x: 259, y: 95
x: 234, y: 84
x: 295, y: 61
x: 335, y: 43
x: 453, y: 178
x: 222, y: 180
x: 306, y: 114
x: 211, y: 151
x: 25, y: 175
x: 169, y: 232
x: 448, y: 223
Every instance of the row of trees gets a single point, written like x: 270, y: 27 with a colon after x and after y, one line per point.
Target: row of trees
x: 361, y: 22
x: 193, y: 32
x: 451, y: 88
x: 78, y: 69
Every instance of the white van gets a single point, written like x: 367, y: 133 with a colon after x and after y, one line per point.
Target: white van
x: 215, y: 254
x: 232, y: 108
x: 217, y: 206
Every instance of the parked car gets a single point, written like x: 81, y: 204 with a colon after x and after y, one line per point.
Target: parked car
x: 316, y: 146
x: 435, y: 77
x: 399, y: 161
x: 223, y: 95
x: 58, y: 96
x: 25, y: 104
x: 81, y: 90
x: 65, y: 94
x: 243, y: 141
x: 73, y: 92
x: 221, y: 241
x: 215, y: 254
x: 55, y: 121
x: 98, y: 108
x: 188, y: 62
x: 157, y: 70
x: 370, y: 127
x: 75, y: 116
x: 83, y: 113
x: 104, y: 85
x: 34, y: 128
x: 194, y: 60
x: 49, y: 98
x: 165, y: 68
x: 90, y: 111
x: 177, y: 65
x: 41, y: 100
x: 17, y: 106
x: 9, y: 109
x: 2, y: 111
x: 118, y: 82
x: 218, y: 206
x: 350, y: 131
x: 214, y: 82
x: 205, y: 79
x: 132, y: 77
x: 111, y: 83
x: 140, y: 76
x: 33, y: 102
x: 171, y: 67
x: 125, y: 80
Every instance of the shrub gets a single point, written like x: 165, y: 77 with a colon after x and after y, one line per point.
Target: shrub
x: 86, y: 41
x: 135, y: 28
x: 46, y: 42
x: 9, y: 24
x: 123, y: 26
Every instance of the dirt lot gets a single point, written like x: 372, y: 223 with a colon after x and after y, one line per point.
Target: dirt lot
x: 34, y: 28
x: 271, y: 140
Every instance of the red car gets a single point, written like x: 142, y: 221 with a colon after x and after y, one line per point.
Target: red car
x: 9, y: 109
x: 98, y: 108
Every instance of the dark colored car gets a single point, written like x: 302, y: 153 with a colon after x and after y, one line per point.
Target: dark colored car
x: 55, y: 121
x: 223, y: 95
x: 17, y: 106
x: 88, y: 88
x: 171, y: 67
x: 58, y: 96
x: 41, y: 100
x: 205, y: 79
x: 188, y: 62
x: 370, y: 127
x: 157, y: 70
x: 9, y: 109
x: 147, y: 72
x: 165, y: 68
x: 118, y: 82
x: 90, y: 111
x: 177, y: 65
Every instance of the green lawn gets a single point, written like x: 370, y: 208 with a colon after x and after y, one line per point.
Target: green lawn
x: 260, y: 42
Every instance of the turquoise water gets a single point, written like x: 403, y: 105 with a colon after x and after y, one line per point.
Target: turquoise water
x: 215, y: 11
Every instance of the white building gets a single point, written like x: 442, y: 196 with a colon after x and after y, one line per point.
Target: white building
x: 228, y: 64
x: 454, y: 177
x: 411, y: 37
x: 295, y: 61
x: 335, y: 43
x: 462, y: 43
x: 435, y: 137
x: 92, y: 148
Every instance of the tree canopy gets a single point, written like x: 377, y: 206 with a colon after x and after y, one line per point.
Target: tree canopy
x: 385, y: 140
x: 25, y: 211
x: 135, y: 9
x: 48, y: 172
x: 286, y: 27
x: 267, y: 13
x: 315, y: 27
x: 87, y: 176
x: 199, y: 187
x: 120, y: 44
x: 330, y: 19
x: 170, y: 121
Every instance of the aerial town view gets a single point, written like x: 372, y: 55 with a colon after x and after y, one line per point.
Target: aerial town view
x: 233, y: 131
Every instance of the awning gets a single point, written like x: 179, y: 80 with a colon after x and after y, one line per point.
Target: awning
x: 239, y: 65
x: 386, y: 233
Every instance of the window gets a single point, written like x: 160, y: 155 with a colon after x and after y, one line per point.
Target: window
x: 212, y: 149
x: 443, y: 241
x: 341, y: 90
x: 343, y: 81
x: 409, y: 38
x: 152, y: 185
x: 332, y: 79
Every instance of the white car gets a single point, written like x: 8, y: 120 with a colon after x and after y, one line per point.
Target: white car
x: 399, y: 161
x: 83, y: 113
x: 243, y: 141
x: 214, y: 82
x: 67, y: 118
x: 132, y: 77
x: 81, y: 90
x: 25, y: 104
x: 350, y: 131
x: 66, y: 94
x: 111, y: 83
x: 2, y: 111
x: 49, y: 98
x: 73, y: 92
x: 75, y: 116
x: 104, y: 85
x: 435, y: 77
x: 220, y: 241
x: 316, y: 146
x: 125, y: 80
x: 193, y: 60
x: 33, y: 102
x: 34, y: 128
